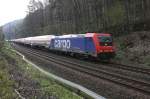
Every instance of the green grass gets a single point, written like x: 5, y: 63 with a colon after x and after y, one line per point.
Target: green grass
x: 47, y: 84
x: 6, y: 84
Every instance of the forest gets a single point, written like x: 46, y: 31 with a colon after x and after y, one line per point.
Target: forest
x: 59, y: 17
x: 1, y: 38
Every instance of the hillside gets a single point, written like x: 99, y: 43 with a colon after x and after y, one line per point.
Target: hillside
x: 12, y: 29
x: 118, y: 17
x: 125, y: 19
x: 134, y: 48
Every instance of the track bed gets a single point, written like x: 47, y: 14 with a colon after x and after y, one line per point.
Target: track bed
x: 109, y: 80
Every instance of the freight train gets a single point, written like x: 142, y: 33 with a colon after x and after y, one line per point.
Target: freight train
x: 98, y: 45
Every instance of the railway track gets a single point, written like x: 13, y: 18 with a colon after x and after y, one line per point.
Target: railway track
x: 135, y: 69
x: 129, y: 68
x: 126, y: 81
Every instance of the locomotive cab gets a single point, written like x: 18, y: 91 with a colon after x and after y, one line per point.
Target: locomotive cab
x: 104, y: 45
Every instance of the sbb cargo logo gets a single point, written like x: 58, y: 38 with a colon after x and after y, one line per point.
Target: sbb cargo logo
x: 65, y: 44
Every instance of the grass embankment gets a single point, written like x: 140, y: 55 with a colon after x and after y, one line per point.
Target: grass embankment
x: 27, y: 80
x: 6, y: 84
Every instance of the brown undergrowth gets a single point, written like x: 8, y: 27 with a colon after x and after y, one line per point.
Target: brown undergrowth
x: 134, y: 48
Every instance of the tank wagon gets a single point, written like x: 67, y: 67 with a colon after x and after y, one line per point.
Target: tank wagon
x: 37, y: 41
x: 99, y: 45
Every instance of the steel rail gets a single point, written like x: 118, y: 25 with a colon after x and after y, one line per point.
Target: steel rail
x: 135, y: 69
x: 116, y: 78
x: 130, y: 68
x: 79, y: 89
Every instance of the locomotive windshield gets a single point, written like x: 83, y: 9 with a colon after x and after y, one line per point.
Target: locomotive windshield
x: 105, y: 40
